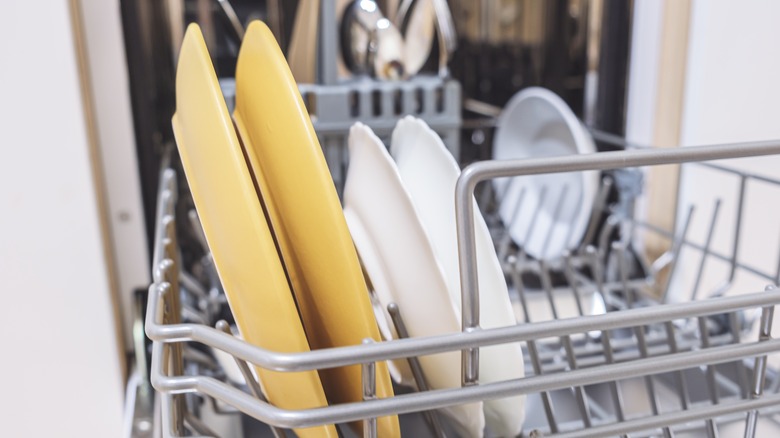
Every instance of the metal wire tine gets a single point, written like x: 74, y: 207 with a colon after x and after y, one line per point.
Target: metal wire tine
x: 529, y: 232
x: 598, y: 208
x: 639, y: 332
x: 251, y: 383
x: 343, y: 165
x: 193, y: 315
x: 533, y: 352
x: 738, y: 227
x: 676, y: 248
x: 759, y: 370
x: 705, y: 343
x: 197, y: 228
x: 613, y: 385
x: 597, y: 267
x: 431, y: 418
x: 620, y: 253
x: 682, y: 384
x: 556, y: 215
x: 606, y: 234
x: 368, y: 373
x: 774, y: 386
x: 582, y: 398
x: 568, y: 271
x: 740, y: 365
x: 517, y: 279
x: 544, y: 275
x: 712, y: 429
x: 192, y: 285
x: 506, y: 237
x: 469, y: 363
x: 706, y: 250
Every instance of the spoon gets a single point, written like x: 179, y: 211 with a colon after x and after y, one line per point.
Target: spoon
x: 370, y: 43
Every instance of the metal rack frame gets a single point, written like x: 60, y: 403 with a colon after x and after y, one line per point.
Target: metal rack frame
x: 645, y: 361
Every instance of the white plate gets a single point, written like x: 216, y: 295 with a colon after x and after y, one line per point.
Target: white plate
x: 399, y: 260
x: 429, y: 173
x: 537, y: 123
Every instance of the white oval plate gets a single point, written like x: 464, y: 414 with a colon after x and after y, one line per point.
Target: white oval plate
x: 537, y: 123
x: 429, y: 173
x: 400, y: 262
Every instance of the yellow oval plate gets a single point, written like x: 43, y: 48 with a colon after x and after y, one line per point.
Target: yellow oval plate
x: 305, y: 214
x: 236, y: 229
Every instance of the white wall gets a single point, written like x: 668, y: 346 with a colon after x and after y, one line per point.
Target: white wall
x: 60, y: 372
x: 732, y: 94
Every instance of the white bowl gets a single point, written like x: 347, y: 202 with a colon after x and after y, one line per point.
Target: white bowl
x: 537, y: 123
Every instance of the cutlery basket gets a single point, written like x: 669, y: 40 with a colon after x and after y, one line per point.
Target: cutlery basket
x: 379, y: 105
x: 642, y: 363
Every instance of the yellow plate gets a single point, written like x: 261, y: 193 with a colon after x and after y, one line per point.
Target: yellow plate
x: 305, y: 214
x: 236, y: 229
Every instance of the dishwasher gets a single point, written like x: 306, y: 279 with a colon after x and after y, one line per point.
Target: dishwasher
x: 615, y: 342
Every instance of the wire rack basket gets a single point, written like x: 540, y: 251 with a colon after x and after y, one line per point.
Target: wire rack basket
x: 636, y: 364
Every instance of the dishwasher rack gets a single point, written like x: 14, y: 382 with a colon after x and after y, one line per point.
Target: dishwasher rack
x: 698, y: 365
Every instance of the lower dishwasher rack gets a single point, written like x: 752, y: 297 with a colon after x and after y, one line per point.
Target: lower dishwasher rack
x: 644, y: 368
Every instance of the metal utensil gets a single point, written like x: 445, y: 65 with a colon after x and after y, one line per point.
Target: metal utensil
x: 418, y: 32
x: 447, y: 36
x: 370, y: 43
x: 230, y: 14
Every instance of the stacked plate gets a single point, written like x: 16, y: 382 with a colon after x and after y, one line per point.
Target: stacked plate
x: 273, y: 222
x: 401, y: 214
x: 286, y: 252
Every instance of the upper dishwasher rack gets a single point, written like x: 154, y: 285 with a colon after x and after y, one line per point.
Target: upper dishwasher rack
x: 578, y: 364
